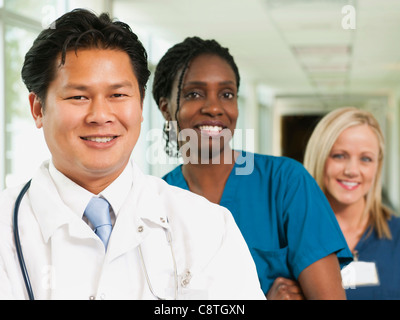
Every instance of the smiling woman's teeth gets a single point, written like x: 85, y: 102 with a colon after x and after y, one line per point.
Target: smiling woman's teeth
x: 210, y: 128
x: 99, y: 139
x: 349, y: 184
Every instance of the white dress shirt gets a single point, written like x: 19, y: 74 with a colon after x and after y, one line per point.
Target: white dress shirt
x: 77, y: 198
x: 66, y: 260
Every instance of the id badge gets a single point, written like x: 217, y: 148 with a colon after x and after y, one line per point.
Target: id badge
x: 359, y: 273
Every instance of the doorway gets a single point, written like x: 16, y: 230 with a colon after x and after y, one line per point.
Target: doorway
x: 296, y: 130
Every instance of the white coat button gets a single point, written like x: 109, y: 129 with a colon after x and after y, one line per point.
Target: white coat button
x: 92, y: 298
x: 140, y: 229
x: 103, y: 296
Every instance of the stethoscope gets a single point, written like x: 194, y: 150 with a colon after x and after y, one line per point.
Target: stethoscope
x: 24, y: 270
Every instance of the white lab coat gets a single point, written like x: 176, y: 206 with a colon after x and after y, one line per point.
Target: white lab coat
x: 66, y: 260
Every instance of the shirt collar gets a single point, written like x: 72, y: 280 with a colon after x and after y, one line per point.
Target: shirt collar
x: 77, y: 198
x: 119, y: 189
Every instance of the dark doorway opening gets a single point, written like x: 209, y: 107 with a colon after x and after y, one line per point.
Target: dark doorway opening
x: 296, y: 130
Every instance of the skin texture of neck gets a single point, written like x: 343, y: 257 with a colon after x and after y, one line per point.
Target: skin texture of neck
x: 351, y: 221
x: 208, y: 180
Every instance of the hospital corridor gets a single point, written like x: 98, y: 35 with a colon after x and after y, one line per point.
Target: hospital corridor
x: 319, y: 92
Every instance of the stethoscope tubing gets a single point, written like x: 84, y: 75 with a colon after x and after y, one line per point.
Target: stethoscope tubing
x: 18, y: 241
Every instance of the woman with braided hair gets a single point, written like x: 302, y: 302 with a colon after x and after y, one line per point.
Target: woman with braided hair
x: 284, y: 217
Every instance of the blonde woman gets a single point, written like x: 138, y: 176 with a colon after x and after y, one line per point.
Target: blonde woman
x: 345, y: 156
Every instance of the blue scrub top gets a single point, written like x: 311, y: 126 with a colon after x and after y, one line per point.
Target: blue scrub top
x: 386, y: 255
x: 282, y: 213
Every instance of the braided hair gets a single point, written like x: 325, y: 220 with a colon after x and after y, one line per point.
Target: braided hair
x: 176, y: 59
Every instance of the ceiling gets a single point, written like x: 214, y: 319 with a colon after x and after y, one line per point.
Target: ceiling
x: 291, y: 46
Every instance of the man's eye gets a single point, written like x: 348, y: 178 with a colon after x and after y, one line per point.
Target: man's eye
x: 76, y: 98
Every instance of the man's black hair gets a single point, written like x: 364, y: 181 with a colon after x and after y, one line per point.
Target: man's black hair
x: 80, y: 29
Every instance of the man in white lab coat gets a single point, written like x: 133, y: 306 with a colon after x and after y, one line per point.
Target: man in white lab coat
x: 86, y: 77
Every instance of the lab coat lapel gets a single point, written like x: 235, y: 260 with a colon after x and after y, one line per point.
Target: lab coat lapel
x: 77, y: 265
x: 60, y: 228
x: 140, y: 209
x: 124, y: 236
x: 49, y: 209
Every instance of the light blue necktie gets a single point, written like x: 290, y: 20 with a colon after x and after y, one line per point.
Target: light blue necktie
x: 98, y: 213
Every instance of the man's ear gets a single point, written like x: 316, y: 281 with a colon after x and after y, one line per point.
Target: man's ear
x: 164, y: 108
x: 36, y: 109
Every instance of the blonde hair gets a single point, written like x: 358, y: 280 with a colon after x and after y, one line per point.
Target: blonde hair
x: 319, y: 147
